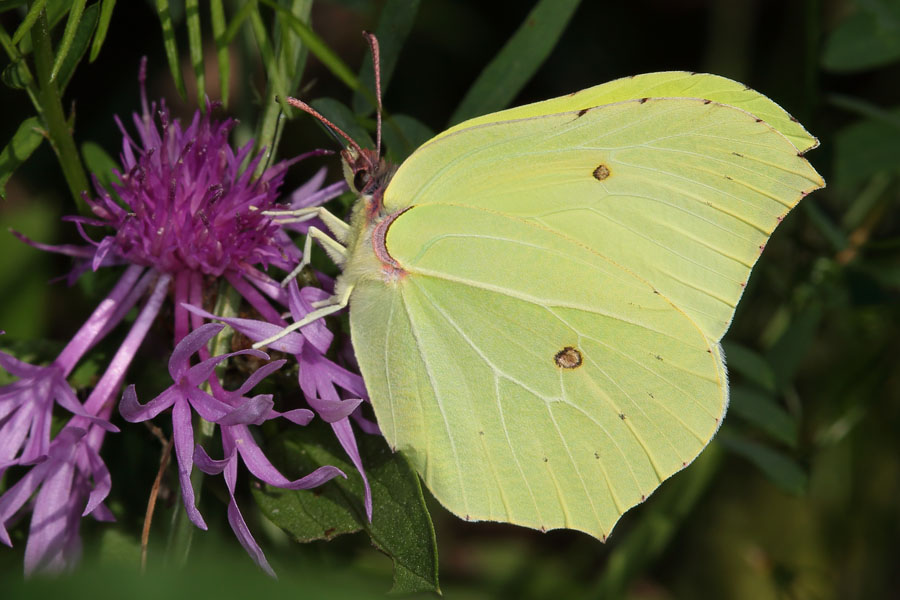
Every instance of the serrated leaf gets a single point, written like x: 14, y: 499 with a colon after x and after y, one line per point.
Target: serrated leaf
x: 401, y: 526
x: 505, y: 76
x: 24, y: 142
x: 750, y: 364
x: 778, y: 467
x: 403, y: 134
x: 395, y: 21
x: 761, y: 410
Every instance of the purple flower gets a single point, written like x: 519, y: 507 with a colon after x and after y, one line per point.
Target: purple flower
x: 319, y: 376
x: 70, y: 475
x: 233, y: 413
x: 186, y: 209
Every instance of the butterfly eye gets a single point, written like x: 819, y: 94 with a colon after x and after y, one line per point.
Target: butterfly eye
x: 361, y: 180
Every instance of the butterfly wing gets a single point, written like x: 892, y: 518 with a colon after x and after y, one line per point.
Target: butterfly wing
x: 527, y: 378
x: 548, y: 352
x: 668, y: 84
x: 684, y: 193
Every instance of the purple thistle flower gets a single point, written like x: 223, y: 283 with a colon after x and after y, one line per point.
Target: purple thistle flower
x: 187, y: 208
x: 233, y: 413
x: 319, y: 376
x: 72, y: 478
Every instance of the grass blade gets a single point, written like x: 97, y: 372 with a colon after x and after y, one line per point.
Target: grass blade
x: 80, y: 42
x: 29, y: 21
x: 217, y: 18
x: 195, y: 47
x: 168, y: 29
x: 518, y: 60
x: 394, y: 24
x: 106, y: 11
x: 72, y: 23
x: 320, y: 50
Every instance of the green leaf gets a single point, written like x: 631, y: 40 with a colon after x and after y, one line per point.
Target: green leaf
x: 761, y: 410
x: 320, y: 50
x: 6, y: 5
x: 866, y: 40
x: 403, y: 134
x: 79, y: 45
x: 828, y: 228
x: 219, y: 27
x: 650, y: 535
x: 24, y: 142
x: 750, y: 364
x: 394, y: 24
x: 72, y: 23
x: 345, y: 119
x: 171, y: 46
x: 106, y: 11
x: 28, y: 22
x: 401, y: 526
x: 195, y: 47
x: 792, y: 347
x: 100, y: 164
x: 864, y: 149
x: 778, y: 467
x: 518, y: 60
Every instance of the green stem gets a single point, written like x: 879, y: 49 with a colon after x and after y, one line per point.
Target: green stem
x: 53, y: 115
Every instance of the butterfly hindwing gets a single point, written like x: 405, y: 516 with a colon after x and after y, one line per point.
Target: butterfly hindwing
x: 540, y: 384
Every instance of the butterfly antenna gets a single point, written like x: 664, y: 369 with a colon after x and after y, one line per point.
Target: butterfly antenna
x: 376, y: 61
x: 309, y: 109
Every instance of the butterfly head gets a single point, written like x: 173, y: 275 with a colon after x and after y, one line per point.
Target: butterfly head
x: 365, y: 171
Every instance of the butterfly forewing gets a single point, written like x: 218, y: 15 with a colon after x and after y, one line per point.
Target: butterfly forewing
x: 681, y: 192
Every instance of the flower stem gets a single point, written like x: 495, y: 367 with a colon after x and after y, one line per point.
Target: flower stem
x: 53, y: 115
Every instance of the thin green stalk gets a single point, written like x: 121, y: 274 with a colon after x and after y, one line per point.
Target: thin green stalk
x: 53, y: 115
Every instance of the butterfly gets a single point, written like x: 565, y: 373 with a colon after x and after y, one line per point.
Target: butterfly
x: 537, y: 295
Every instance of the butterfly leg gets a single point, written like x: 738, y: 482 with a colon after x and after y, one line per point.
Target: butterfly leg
x: 337, y: 303
x: 335, y: 250
x: 333, y: 246
x: 334, y: 224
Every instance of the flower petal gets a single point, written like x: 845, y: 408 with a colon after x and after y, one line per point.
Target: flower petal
x: 183, y: 433
x: 135, y: 412
x: 180, y: 360
x: 252, y: 412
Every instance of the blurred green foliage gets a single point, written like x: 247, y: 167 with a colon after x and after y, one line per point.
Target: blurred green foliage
x: 796, y: 497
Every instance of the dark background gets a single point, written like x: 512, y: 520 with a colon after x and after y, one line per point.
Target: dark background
x: 815, y: 515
